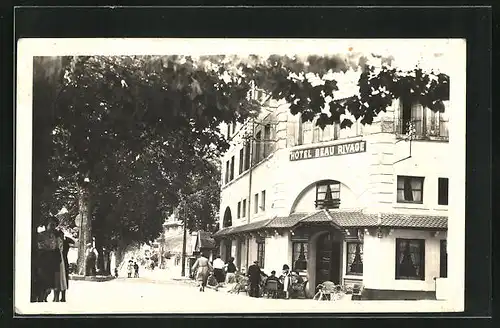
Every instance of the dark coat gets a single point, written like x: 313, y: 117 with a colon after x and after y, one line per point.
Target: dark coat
x: 254, y: 273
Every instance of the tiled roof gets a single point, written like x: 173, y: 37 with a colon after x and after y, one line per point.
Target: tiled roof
x: 286, y: 221
x: 344, y: 219
x: 242, y: 228
x: 351, y: 219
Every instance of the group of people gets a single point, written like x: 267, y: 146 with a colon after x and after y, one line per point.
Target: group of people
x: 132, y: 268
x: 223, y: 272
x: 52, y: 266
x: 285, y: 281
x: 226, y: 272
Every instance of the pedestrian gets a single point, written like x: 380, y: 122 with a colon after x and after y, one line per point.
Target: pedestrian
x: 255, y: 277
x: 116, y: 272
x: 219, y: 271
x: 285, y: 277
x: 130, y: 268
x: 64, y: 272
x: 202, y: 267
x: 49, y: 258
x: 230, y: 271
x: 136, y: 270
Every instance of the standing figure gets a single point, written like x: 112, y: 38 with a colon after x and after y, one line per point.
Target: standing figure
x: 130, y: 268
x: 64, y: 281
x: 230, y: 271
x: 254, y: 275
x: 219, y: 271
x: 285, y: 277
x: 136, y: 270
x: 202, y: 267
x: 48, y: 260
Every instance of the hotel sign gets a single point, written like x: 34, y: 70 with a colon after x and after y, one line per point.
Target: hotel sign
x: 326, y: 151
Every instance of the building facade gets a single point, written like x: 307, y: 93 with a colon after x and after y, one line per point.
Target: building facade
x: 361, y: 205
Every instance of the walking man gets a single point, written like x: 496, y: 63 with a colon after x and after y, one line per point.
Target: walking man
x: 219, y: 271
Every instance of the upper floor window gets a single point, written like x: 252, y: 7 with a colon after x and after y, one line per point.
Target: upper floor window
x: 227, y: 172
x: 263, y: 200
x: 244, y: 208
x: 247, y: 156
x: 443, y: 191
x: 410, y: 259
x: 239, y: 210
x: 241, y: 161
x: 228, y: 131
x: 410, y: 189
x: 426, y: 122
x: 354, y: 258
x: 256, y: 203
x: 328, y: 194
x: 258, y: 142
x: 267, y: 140
x: 231, y: 176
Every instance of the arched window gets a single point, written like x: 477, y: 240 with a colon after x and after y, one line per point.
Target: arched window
x: 328, y: 194
x: 227, y: 221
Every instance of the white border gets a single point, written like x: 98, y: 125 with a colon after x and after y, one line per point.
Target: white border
x: 406, y: 52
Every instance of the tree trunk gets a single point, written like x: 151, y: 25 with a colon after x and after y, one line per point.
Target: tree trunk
x: 84, y: 237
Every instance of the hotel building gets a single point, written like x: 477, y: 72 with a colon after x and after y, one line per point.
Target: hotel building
x: 362, y: 205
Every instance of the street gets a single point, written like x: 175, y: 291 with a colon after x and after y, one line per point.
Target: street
x: 143, y: 295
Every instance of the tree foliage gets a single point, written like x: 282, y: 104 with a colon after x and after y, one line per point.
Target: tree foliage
x: 144, y: 130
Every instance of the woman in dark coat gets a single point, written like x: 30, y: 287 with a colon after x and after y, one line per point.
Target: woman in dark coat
x: 48, y: 260
x: 64, y: 286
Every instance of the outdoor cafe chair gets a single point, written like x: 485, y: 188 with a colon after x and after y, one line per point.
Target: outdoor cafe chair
x: 271, y: 288
x: 327, y: 290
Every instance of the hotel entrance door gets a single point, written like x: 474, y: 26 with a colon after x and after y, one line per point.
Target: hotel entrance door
x: 328, y: 259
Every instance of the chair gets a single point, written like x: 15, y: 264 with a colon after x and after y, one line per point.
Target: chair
x: 326, y: 289
x: 271, y: 288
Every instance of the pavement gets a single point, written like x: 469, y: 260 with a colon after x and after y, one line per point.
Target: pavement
x: 147, y: 295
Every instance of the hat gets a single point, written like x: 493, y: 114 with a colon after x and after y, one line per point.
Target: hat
x: 256, y: 262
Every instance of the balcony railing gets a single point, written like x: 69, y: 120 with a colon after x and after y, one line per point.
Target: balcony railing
x: 328, y: 203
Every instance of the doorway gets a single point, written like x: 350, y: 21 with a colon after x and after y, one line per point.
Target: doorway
x: 328, y: 255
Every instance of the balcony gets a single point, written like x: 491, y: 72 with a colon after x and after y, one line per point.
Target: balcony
x: 327, y: 204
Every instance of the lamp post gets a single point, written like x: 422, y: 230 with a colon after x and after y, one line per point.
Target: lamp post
x: 184, y: 241
x: 250, y: 188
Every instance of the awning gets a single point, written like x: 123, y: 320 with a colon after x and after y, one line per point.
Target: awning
x: 286, y: 221
x: 253, y: 226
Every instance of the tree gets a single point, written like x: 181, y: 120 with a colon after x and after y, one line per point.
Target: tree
x: 200, y: 208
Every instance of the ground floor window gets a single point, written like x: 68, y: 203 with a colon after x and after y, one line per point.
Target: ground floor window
x: 410, y: 259
x: 299, y: 255
x: 261, y: 247
x: 443, y: 260
x: 354, y: 258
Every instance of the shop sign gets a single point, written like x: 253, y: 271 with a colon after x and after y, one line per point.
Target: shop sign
x: 327, y: 151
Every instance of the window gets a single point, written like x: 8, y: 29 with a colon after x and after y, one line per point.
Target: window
x: 244, y: 208
x: 410, y: 259
x: 263, y: 200
x: 242, y: 158
x: 299, y: 255
x: 410, y: 189
x: 232, y: 169
x: 227, y: 172
x: 328, y: 194
x: 228, y: 132
x: 425, y: 121
x: 261, y: 248
x: 256, y: 204
x: 239, y: 210
x: 354, y: 258
x: 443, y: 260
x: 258, y: 141
x: 443, y: 191
x: 234, y: 127
x: 247, y: 156
x: 267, y: 139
